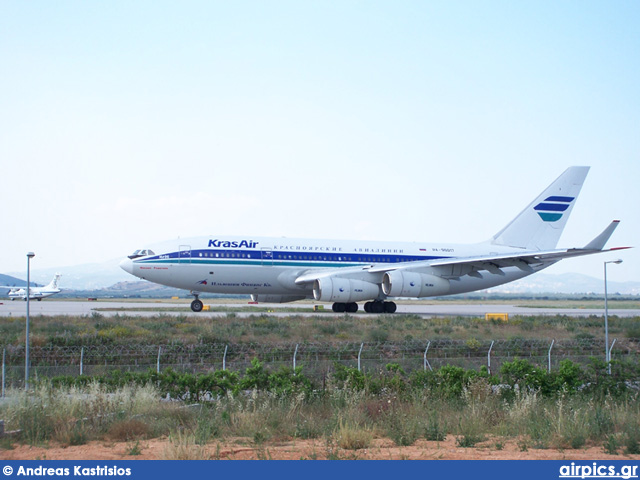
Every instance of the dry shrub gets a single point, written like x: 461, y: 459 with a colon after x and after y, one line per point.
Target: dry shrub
x: 127, y: 430
x: 70, y: 433
x: 182, y: 446
x: 352, y: 437
x: 376, y: 407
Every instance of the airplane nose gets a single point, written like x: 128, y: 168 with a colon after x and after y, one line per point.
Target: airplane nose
x: 127, y: 265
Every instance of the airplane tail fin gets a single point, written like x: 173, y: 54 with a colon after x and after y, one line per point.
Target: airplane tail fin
x: 539, y: 226
x: 54, y: 283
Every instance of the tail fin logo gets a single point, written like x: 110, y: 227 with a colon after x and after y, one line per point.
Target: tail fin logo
x: 552, y: 208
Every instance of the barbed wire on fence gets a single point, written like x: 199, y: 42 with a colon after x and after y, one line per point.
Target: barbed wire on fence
x: 237, y: 355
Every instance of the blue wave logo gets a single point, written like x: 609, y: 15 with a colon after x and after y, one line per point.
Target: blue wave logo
x: 551, y: 210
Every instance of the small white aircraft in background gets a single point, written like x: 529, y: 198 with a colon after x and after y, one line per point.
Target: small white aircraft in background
x: 277, y: 270
x: 35, y: 293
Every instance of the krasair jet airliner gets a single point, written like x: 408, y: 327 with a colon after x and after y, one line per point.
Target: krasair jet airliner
x: 278, y: 270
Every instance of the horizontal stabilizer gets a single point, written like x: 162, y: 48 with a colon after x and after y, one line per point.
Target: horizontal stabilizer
x: 601, y: 240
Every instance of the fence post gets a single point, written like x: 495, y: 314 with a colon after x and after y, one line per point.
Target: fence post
x: 426, y: 362
x: 158, y: 365
x: 3, y: 370
x: 609, y: 364
x: 81, y: 360
x: 361, y: 345
x: 224, y: 358
x: 294, y: 359
x: 549, y: 355
x: 489, y: 357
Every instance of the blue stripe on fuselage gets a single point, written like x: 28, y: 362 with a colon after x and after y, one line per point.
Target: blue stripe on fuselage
x: 255, y: 257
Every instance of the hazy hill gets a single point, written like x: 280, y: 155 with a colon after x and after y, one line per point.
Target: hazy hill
x: 567, y: 283
x: 89, y: 276
x: 14, y: 282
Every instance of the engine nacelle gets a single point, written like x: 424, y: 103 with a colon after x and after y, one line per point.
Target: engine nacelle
x: 399, y: 283
x: 344, y: 290
x: 276, y: 298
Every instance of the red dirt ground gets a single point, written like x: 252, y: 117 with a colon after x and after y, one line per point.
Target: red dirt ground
x: 245, y: 449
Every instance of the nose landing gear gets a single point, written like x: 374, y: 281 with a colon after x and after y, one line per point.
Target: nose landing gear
x: 197, y: 304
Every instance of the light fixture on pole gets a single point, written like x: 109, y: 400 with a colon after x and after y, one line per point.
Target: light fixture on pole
x: 607, y: 356
x: 30, y: 255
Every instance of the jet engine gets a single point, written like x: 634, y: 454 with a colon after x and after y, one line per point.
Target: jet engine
x: 276, y: 298
x: 399, y: 283
x: 344, y: 290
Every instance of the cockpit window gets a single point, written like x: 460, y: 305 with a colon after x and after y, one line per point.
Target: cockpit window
x: 141, y: 253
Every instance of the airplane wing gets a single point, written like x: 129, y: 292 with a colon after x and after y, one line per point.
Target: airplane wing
x: 459, y: 266
x: 455, y: 267
x: 494, y: 263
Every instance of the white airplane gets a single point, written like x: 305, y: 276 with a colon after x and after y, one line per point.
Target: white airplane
x: 278, y: 270
x: 35, y: 293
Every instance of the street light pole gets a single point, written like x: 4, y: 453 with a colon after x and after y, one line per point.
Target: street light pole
x: 606, y: 318
x: 30, y: 255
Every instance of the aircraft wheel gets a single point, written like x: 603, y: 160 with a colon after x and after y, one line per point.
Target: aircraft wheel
x: 39, y: 299
x: 339, y: 307
x: 197, y: 305
x: 390, y: 307
x: 352, y: 307
x: 375, y: 307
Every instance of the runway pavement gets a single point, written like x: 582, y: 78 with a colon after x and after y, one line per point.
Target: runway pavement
x: 17, y: 308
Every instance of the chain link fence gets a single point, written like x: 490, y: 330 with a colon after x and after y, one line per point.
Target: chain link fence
x: 316, y: 359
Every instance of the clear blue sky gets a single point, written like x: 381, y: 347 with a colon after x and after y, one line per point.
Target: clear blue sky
x: 128, y: 122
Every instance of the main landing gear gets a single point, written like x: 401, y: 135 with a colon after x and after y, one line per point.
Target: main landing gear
x: 351, y: 307
x: 377, y: 306
x: 197, y: 304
